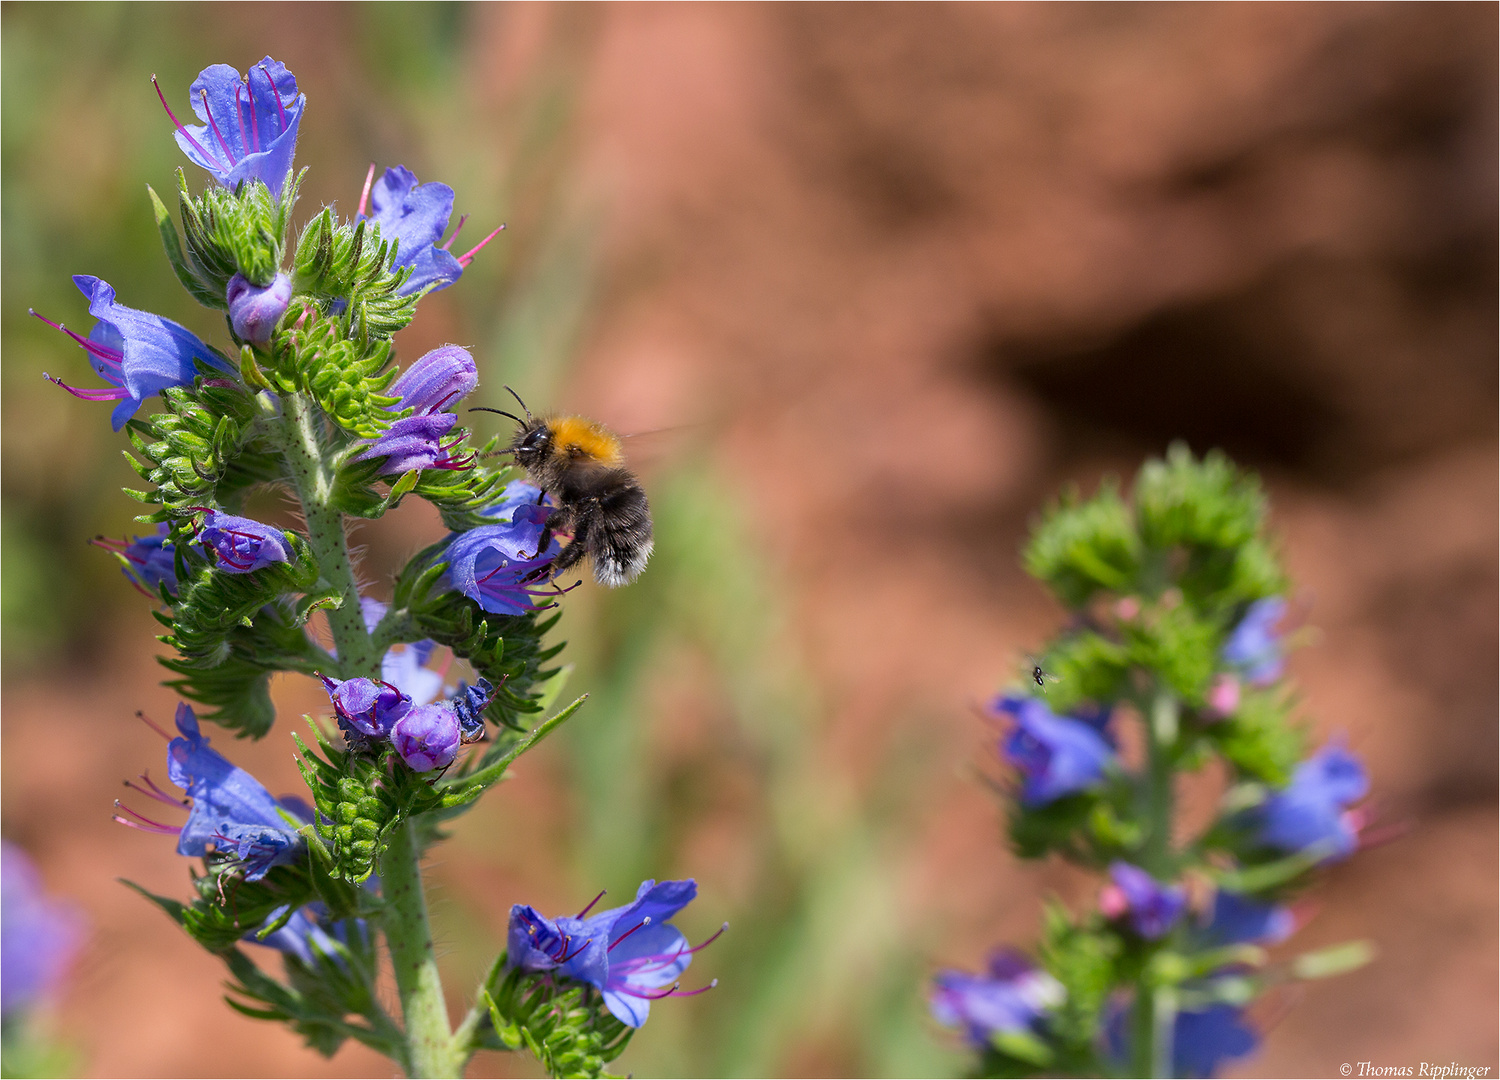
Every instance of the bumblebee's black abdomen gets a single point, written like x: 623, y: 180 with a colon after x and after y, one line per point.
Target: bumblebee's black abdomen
x: 614, y: 525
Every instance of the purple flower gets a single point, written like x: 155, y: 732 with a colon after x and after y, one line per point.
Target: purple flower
x: 240, y: 544
x: 147, y: 561
x: 308, y: 935
x: 416, y: 443
x: 1056, y: 755
x: 629, y: 953
x: 254, y: 310
x: 1309, y: 814
x: 1205, y: 1039
x: 367, y: 707
x: 38, y: 936
x: 1241, y: 920
x: 1011, y: 996
x: 494, y: 564
x: 249, y: 129
x: 415, y: 216
x: 437, y: 380
x: 1153, y: 908
x: 139, y: 354
x: 427, y: 737
x: 1254, y: 646
x: 231, y: 810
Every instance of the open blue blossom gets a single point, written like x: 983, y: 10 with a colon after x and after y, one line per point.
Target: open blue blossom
x: 415, y: 216
x: 249, y: 128
x: 148, y: 561
x: 1011, y: 996
x: 254, y: 310
x: 1153, y: 908
x: 139, y: 354
x: 231, y: 810
x: 495, y: 565
x: 416, y: 443
x: 438, y: 379
x: 1310, y: 813
x: 1202, y: 1039
x: 39, y: 936
x: 1056, y: 755
x: 1241, y: 920
x: 1254, y: 646
x: 240, y: 544
x: 427, y: 737
x: 629, y: 953
x: 367, y: 707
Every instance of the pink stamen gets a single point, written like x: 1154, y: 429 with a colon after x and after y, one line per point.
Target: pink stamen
x: 280, y: 108
x: 240, y: 116
x: 217, y: 133
x: 146, y: 824
x: 591, y: 904
x: 467, y: 257
x: 178, y: 124
x: 112, y: 394
x: 146, y: 828
x: 152, y: 724
x: 710, y: 941
x: 675, y: 990
x: 157, y: 793
x: 364, y: 196
x: 454, y: 234
x: 644, y: 922
x: 103, y: 352
x: 250, y: 93
x: 108, y: 543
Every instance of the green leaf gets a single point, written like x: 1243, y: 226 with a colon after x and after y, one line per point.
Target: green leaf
x: 199, y: 291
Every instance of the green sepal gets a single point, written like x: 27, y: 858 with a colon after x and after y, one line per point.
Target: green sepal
x: 1084, y: 958
x: 1024, y: 1046
x: 1080, y: 547
x: 563, y: 1023
x: 1259, y: 739
x: 1183, y: 501
x: 196, y: 287
x: 1334, y: 960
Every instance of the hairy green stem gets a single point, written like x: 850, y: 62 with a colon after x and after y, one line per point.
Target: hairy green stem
x: 1155, y: 1007
x: 430, y: 1047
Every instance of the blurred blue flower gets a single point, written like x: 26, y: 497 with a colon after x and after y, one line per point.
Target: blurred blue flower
x: 1153, y: 908
x: 1309, y: 814
x: 249, y: 129
x: 1241, y: 920
x: 629, y: 953
x: 1010, y: 996
x: 254, y: 310
x: 1056, y: 755
x: 437, y: 380
x: 147, y: 561
x: 367, y: 707
x: 406, y: 669
x: 1254, y: 646
x: 416, y: 443
x: 39, y: 936
x: 240, y: 544
x: 427, y: 737
x: 1202, y: 1039
x: 139, y: 354
x: 495, y: 564
x: 307, y: 934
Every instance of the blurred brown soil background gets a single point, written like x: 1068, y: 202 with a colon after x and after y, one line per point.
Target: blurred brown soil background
x: 904, y: 271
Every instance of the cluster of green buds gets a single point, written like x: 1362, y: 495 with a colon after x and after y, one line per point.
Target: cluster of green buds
x: 308, y: 400
x: 1171, y: 657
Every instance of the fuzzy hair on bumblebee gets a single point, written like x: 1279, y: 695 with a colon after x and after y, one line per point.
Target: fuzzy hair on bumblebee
x: 581, y: 464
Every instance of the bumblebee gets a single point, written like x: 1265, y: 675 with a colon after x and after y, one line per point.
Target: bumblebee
x: 599, y: 501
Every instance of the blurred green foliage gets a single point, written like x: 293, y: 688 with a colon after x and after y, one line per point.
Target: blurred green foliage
x: 822, y: 969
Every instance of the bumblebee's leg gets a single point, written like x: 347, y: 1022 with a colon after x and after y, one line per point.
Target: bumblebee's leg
x: 577, y: 547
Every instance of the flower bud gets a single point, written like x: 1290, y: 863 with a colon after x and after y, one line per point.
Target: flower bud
x: 369, y: 707
x: 254, y: 310
x: 437, y: 380
x: 242, y: 545
x: 427, y: 737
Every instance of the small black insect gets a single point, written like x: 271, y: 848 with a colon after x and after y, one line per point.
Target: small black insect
x: 469, y: 705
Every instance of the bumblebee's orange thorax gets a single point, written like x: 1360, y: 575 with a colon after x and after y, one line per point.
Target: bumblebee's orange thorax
x: 579, y: 437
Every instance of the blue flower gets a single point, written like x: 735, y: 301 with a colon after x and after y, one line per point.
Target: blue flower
x: 249, y: 129
x: 147, y: 561
x: 139, y: 354
x: 240, y: 544
x: 367, y: 707
x: 1241, y: 920
x: 415, y: 216
x: 1254, y: 646
x: 1202, y: 1039
x: 38, y: 935
x: 1056, y: 755
x: 427, y: 737
x: 437, y: 380
x: 231, y: 809
x: 1011, y: 996
x: 1153, y: 908
x: 406, y: 669
x: 1309, y: 814
x: 628, y: 953
x: 308, y: 934
x: 494, y: 564
x: 254, y: 310
x: 468, y: 705
x: 416, y: 443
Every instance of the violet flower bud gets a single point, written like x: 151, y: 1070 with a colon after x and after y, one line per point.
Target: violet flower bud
x: 427, y: 737
x: 242, y: 545
x: 437, y: 380
x: 255, y: 310
x: 365, y: 706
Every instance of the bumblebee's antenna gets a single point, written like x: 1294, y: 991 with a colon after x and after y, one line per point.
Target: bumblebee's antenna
x: 517, y: 396
x: 502, y: 412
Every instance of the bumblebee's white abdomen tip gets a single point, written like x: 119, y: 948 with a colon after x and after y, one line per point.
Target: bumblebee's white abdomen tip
x: 614, y: 571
